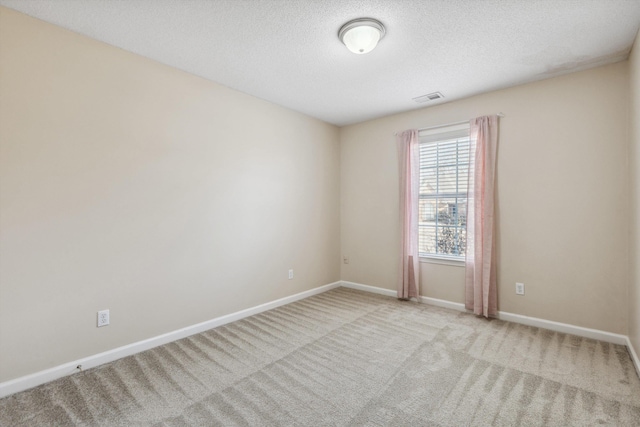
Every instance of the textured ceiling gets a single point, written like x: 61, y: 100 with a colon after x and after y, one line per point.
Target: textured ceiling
x: 287, y: 51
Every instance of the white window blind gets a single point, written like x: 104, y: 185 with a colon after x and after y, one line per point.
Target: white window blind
x: 444, y: 175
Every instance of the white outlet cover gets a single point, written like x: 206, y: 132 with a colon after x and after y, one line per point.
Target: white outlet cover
x: 103, y: 318
x: 520, y: 288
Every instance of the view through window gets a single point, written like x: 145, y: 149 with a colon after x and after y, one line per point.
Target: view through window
x: 444, y: 175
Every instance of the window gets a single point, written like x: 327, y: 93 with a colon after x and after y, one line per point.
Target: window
x: 444, y: 174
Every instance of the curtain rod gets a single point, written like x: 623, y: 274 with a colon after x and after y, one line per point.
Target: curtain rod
x: 450, y: 124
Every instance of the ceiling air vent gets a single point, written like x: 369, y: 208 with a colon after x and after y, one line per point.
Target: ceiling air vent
x: 428, y: 97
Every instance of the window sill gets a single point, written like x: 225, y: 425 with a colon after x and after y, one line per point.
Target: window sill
x: 442, y: 260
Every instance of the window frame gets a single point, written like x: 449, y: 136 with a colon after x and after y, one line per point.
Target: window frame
x: 436, y: 135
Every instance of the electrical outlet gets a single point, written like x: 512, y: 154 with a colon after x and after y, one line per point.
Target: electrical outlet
x: 345, y: 259
x: 520, y: 288
x: 103, y: 318
x: 291, y: 274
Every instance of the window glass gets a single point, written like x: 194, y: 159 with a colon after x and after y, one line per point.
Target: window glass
x: 444, y: 176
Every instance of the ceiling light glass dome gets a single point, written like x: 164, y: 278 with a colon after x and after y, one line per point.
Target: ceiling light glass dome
x: 361, y: 35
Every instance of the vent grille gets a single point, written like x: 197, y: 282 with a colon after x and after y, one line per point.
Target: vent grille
x: 428, y: 97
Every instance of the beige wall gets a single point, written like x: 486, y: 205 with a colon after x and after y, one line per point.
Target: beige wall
x: 634, y: 161
x: 133, y: 186
x: 562, y: 186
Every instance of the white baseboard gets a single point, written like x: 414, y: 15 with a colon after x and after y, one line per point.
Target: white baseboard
x: 517, y: 318
x: 443, y: 303
x: 566, y: 328
x: 38, y: 378
x: 367, y: 288
x: 634, y: 356
x: 392, y: 293
x: 35, y: 379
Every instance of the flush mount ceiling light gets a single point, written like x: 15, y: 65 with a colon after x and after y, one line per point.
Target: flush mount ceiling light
x: 361, y: 35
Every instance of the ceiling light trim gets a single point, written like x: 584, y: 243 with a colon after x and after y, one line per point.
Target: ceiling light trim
x: 355, y: 44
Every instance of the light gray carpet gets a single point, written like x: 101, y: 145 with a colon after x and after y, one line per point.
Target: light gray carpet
x: 350, y: 358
